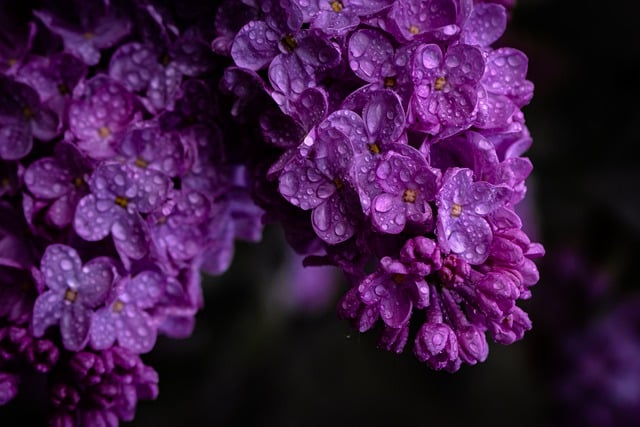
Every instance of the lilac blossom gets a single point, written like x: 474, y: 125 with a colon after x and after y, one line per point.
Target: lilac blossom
x: 74, y: 291
x: 22, y: 117
x: 462, y: 206
x: 119, y: 194
x: 124, y: 318
x: 95, y: 27
x: 431, y: 19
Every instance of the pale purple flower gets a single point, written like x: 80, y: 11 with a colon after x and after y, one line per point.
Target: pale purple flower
x: 22, y: 117
x: 125, y: 318
x: 407, y: 186
x: 462, y: 207
x: 118, y: 196
x: 98, y: 114
x: 338, y: 17
x: 446, y: 93
x: 74, y: 291
x: 60, y: 180
x: 429, y: 19
x: 92, y: 26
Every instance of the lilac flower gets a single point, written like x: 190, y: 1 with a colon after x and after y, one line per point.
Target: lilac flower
x: 61, y: 180
x: 124, y: 318
x: 95, y: 26
x: 321, y: 183
x: 118, y: 196
x: 73, y: 292
x: 408, y: 184
x: 440, y: 19
x: 54, y: 78
x: 231, y: 16
x: 102, y: 110
x: 485, y: 25
x: 338, y: 17
x: 22, y: 117
x: 462, y: 206
x: 446, y: 86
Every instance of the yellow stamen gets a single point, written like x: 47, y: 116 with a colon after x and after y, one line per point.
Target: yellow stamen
x: 78, y: 181
x: 389, y: 82
x: 439, y: 83
x: 27, y: 113
x: 88, y: 35
x: 289, y: 42
x: 70, y: 295
x: 122, y: 202
x: 374, y: 148
x: 338, y: 183
x: 456, y: 210
x: 118, y: 306
x: 104, y: 132
x: 141, y: 163
x: 414, y: 30
x: 398, y: 278
x: 409, y: 195
x: 336, y: 5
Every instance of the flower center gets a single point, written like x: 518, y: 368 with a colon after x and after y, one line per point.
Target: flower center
x: 289, y: 42
x: 12, y: 62
x: 141, y: 163
x: 165, y: 59
x: 63, y: 89
x: 414, y: 29
x: 336, y: 5
x: 374, y: 148
x: 5, y: 183
x: 122, y: 201
x: 27, y: 113
x: 389, y: 82
x: 88, y: 35
x: 456, y: 210
x: 338, y: 183
x: 410, y: 195
x: 70, y: 295
x: 398, y: 278
x: 439, y: 83
x: 78, y: 181
x: 118, y: 306
x: 104, y: 132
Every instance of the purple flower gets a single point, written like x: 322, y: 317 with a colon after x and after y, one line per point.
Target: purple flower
x: 338, y: 17
x: 95, y: 26
x: 462, y: 208
x: 124, y: 318
x: 8, y: 387
x: 446, y: 92
x: 61, y: 180
x: 318, y: 178
x: 408, y: 184
x: 98, y: 114
x: 73, y: 292
x: 22, y: 117
x: 485, y: 25
x: 118, y: 196
x: 430, y: 19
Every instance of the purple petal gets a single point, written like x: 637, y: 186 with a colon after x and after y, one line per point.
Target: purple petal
x: 395, y: 308
x: 145, y: 289
x: 74, y: 326
x: 485, y: 25
x: 463, y: 65
x: 384, y: 117
x: 335, y: 23
x: 133, y: 65
x: 371, y: 55
x: 97, y: 277
x: 470, y: 237
x: 47, y: 311
x: 45, y: 179
x: 130, y: 235
x: 331, y: 222
x: 303, y: 185
x: 61, y: 266
x: 93, y: 218
x: 103, y: 329
x: 135, y: 331
x: 16, y: 139
x: 255, y: 46
x: 388, y: 213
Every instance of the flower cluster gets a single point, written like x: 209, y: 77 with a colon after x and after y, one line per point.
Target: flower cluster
x: 140, y: 139
x: 397, y: 137
x: 117, y: 191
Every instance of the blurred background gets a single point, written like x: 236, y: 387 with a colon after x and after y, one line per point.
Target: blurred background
x: 266, y: 352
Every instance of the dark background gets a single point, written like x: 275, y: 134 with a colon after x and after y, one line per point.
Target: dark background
x: 255, y: 360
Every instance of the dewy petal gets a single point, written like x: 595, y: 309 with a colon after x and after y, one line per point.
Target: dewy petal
x: 485, y: 25
x: 331, y: 222
x: 426, y: 65
x: 135, y: 331
x: 192, y: 55
x: 103, y: 329
x: 130, y: 235
x: 370, y: 55
x: 388, y: 213
x: 463, y: 65
x: 316, y: 51
x: 133, y: 65
x: 303, y: 185
x: 470, y: 237
x: 45, y: 179
x: 506, y: 68
x: 92, y: 223
x: 255, y: 46
x: 335, y: 23
x: 97, y: 277
x: 16, y: 140
x: 47, y: 311
x: 310, y: 107
x: 396, y: 306
x: 351, y: 125
x: 74, y: 326
x: 145, y: 289
x: 484, y: 198
x: 384, y: 117
x: 61, y: 266
x: 289, y: 76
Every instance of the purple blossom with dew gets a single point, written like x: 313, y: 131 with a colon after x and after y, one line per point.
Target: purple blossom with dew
x: 73, y: 292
